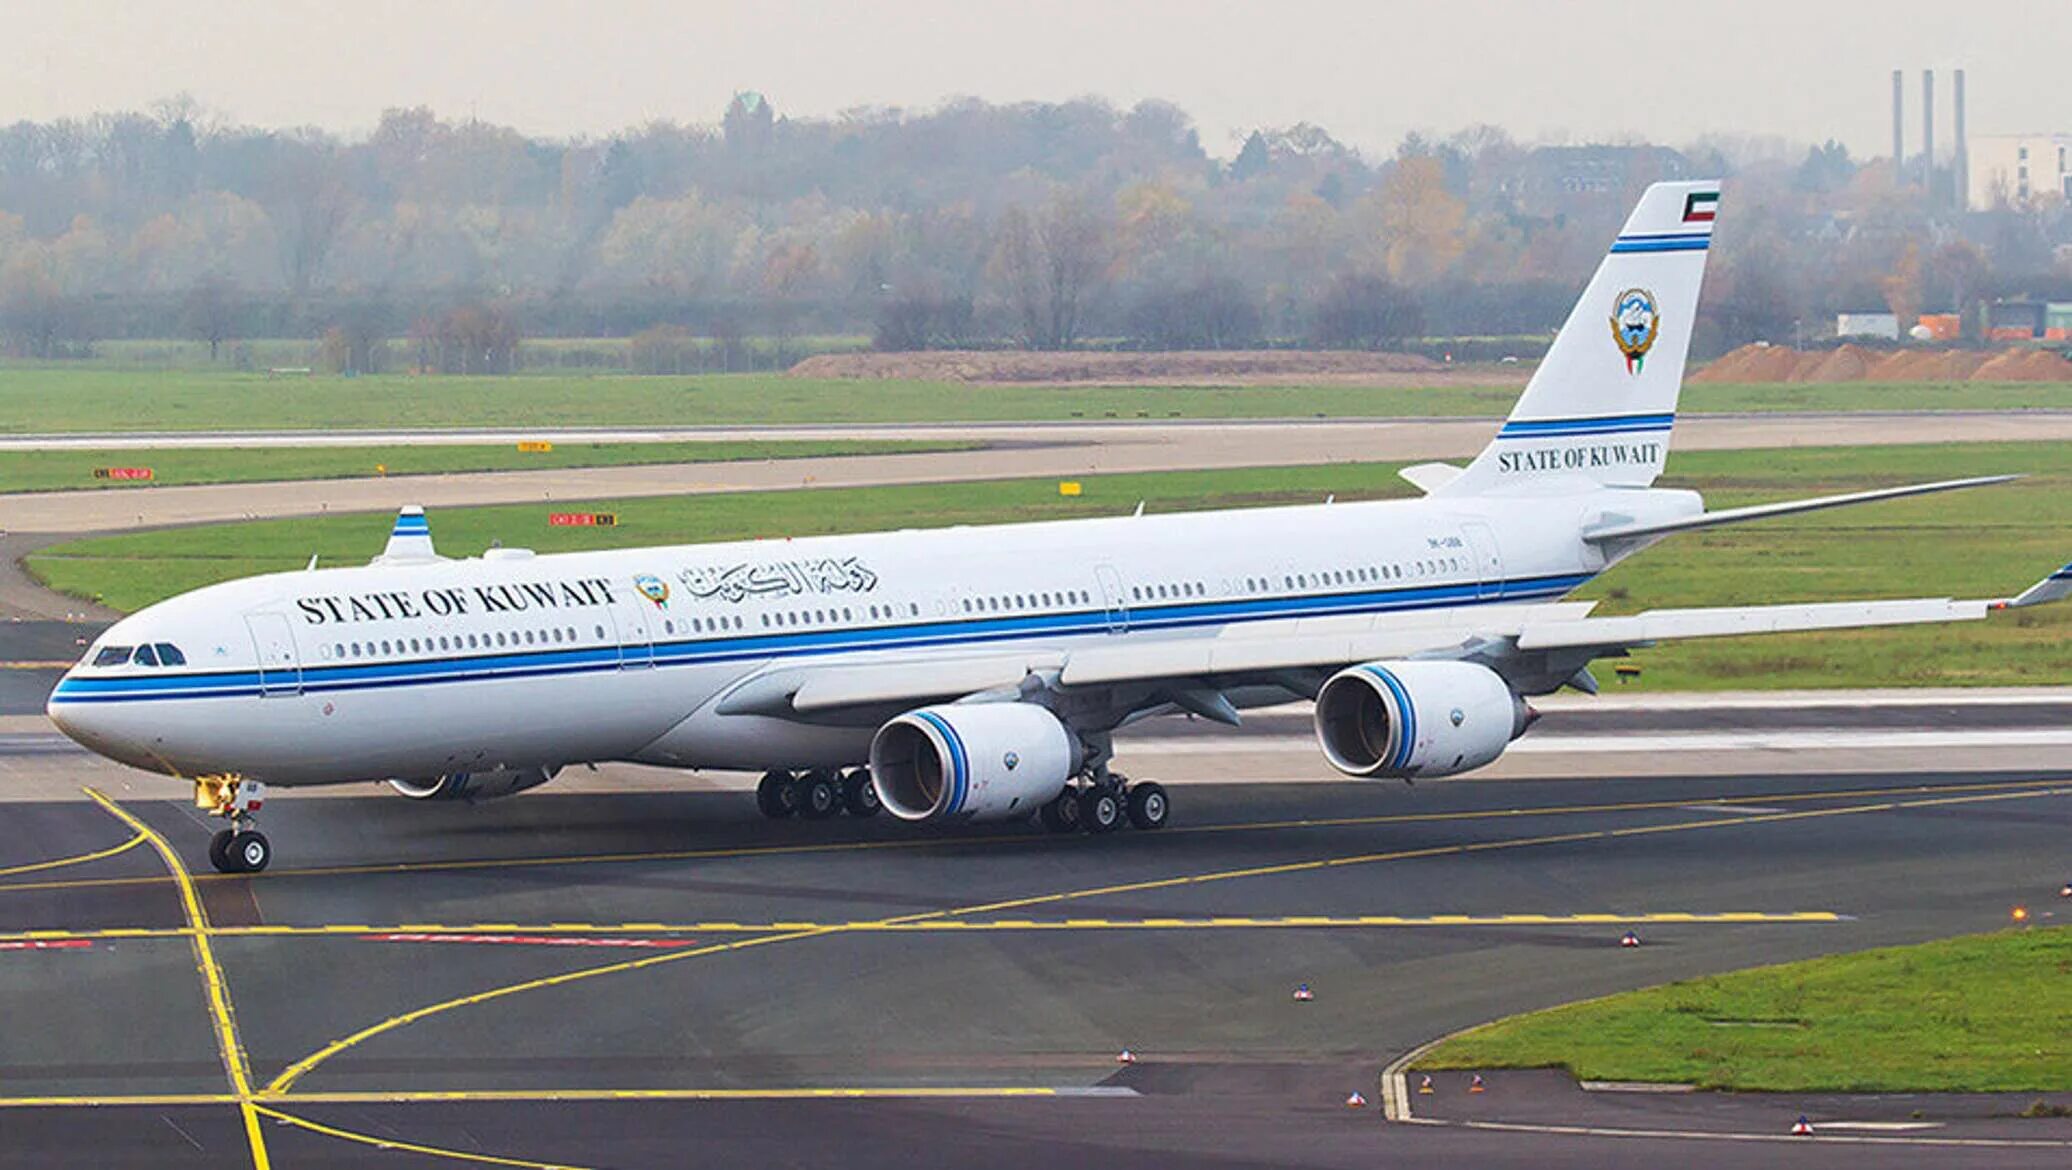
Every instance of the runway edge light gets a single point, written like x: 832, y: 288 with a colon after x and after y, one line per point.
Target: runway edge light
x: 1630, y: 939
x: 1303, y: 994
x: 1354, y: 1100
x: 1802, y: 1127
x: 1125, y: 1057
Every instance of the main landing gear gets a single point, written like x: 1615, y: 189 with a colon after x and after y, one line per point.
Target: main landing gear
x: 817, y: 795
x: 1103, y: 801
x: 241, y: 848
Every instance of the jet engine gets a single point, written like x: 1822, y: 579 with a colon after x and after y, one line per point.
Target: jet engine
x: 474, y: 786
x: 972, y: 761
x: 1416, y: 719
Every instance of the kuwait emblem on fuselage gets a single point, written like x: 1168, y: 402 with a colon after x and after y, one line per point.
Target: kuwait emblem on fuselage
x: 653, y: 588
x: 1635, y: 324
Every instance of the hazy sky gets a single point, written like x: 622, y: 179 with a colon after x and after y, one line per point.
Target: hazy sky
x: 1368, y: 71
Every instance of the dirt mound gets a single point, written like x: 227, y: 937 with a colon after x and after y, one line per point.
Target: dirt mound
x: 1844, y: 364
x: 1854, y: 363
x: 2016, y: 365
x: 1215, y: 367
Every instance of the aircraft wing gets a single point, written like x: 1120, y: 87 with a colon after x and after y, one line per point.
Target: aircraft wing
x: 1560, y: 637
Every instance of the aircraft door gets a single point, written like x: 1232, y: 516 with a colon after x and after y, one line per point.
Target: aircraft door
x: 636, y: 636
x: 280, y: 667
x: 1489, y: 559
x: 1113, y: 599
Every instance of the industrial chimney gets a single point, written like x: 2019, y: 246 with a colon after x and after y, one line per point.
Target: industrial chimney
x: 1899, y: 142
x: 1928, y: 133
x: 1960, y: 164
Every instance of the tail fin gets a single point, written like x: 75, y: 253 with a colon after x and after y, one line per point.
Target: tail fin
x: 410, y: 540
x: 1599, y: 409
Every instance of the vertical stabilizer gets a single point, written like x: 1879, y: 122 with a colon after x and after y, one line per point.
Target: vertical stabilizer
x: 410, y: 539
x: 1599, y: 408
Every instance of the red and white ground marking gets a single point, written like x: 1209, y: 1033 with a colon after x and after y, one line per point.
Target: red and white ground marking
x: 535, y: 940
x: 47, y: 944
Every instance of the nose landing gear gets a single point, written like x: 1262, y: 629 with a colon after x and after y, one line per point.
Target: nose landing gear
x: 242, y: 848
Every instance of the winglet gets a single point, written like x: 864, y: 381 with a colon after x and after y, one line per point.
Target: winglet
x: 410, y: 539
x: 2055, y: 587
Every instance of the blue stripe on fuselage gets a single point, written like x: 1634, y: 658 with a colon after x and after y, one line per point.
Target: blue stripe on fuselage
x: 822, y: 642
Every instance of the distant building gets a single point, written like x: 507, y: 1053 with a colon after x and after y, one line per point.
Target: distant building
x: 1880, y: 325
x: 2015, y: 320
x: 2018, y: 169
x: 1555, y: 179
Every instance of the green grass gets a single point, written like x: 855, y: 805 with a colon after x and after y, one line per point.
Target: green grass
x: 45, y: 399
x: 1984, y: 543
x: 1978, y: 1014
x: 64, y: 470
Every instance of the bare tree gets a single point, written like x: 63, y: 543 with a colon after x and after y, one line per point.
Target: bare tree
x: 1364, y: 311
x: 1051, y: 264
x: 211, y: 315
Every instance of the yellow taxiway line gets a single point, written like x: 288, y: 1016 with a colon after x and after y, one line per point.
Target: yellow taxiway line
x: 449, y: 1096
x: 80, y: 859
x: 1221, y: 922
x: 963, y: 841
x: 303, y: 1067
x: 231, y: 1049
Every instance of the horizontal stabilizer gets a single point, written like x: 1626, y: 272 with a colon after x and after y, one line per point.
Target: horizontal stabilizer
x: 1430, y: 477
x: 2055, y: 587
x: 1787, y: 508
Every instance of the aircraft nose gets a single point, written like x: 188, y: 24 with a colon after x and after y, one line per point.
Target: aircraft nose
x: 86, y: 724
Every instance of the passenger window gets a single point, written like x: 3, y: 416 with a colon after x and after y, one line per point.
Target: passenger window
x: 112, y: 656
x: 145, y: 656
x: 169, y: 655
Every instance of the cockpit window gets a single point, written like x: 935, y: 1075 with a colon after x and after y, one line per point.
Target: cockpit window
x: 169, y: 655
x: 112, y: 656
x: 145, y: 656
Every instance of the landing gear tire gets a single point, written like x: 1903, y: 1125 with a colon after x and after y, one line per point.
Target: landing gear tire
x: 774, y: 795
x: 219, y: 850
x: 859, y: 795
x: 1060, y: 814
x: 247, y: 851
x: 819, y: 795
x: 1148, y: 806
x: 1100, y: 810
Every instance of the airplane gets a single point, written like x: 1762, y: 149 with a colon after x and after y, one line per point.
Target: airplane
x: 980, y: 673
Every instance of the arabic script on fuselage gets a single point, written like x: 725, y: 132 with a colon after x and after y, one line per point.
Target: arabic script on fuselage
x: 779, y: 578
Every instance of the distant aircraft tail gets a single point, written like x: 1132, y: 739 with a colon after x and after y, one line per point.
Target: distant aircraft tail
x: 1598, y: 411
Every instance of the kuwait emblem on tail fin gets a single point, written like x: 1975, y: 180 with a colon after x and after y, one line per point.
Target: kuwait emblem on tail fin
x: 1635, y: 325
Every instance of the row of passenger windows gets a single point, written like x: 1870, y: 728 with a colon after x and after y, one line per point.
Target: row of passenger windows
x: 156, y: 654
x: 1007, y: 602
x: 792, y: 618
x: 443, y: 643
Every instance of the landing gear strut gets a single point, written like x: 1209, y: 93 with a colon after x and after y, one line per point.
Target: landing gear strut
x: 242, y: 848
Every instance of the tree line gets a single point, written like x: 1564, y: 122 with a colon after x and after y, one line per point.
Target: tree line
x: 1046, y: 225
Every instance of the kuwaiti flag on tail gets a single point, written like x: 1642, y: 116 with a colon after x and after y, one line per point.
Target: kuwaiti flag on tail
x: 1699, y: 206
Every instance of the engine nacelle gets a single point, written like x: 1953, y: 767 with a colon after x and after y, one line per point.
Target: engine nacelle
x: 1412, y: 719
x: 474, y: 786
x: 974, y: 761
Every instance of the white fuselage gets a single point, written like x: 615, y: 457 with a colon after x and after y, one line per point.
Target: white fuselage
x: 516, y: 660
